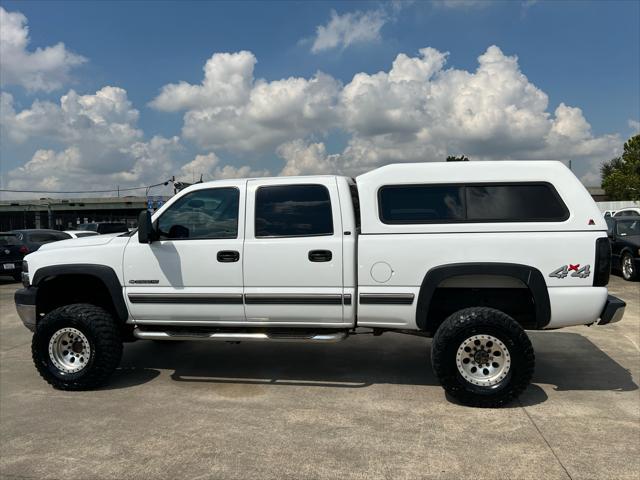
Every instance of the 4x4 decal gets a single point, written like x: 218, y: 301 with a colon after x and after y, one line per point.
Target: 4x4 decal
x: 579, y: 272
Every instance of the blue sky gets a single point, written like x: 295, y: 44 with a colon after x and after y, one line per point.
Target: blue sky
x: 584, y: 55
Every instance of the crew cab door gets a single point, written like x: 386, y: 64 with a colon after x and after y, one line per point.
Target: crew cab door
x: 293, y: 252
x: 191, y: 275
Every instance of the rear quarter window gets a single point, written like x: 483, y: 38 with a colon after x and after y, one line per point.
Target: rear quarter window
x: 490, y: 202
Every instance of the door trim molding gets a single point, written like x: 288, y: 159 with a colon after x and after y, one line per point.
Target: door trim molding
x: 386, y: 298
x: 293, y: 299
x: 190, y: 298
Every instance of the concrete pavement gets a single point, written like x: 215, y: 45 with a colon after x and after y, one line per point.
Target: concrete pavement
x: 365, y: 408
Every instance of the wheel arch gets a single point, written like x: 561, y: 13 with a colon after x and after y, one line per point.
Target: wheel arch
x: 99, y: 274
x: 531, y: 277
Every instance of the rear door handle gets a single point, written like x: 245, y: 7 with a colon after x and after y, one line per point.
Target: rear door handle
x: 320, y: 256
x: 228, y: 256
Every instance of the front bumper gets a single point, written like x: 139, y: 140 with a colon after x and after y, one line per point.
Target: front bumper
x: 613, y: 310
x: 25, y: 299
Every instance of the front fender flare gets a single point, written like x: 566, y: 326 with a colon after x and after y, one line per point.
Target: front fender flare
x: 104, y: 273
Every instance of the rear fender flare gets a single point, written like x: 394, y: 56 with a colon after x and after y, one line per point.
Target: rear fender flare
x: 530, y: 276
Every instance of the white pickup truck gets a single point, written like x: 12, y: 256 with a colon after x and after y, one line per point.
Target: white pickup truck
x: 469, y: 253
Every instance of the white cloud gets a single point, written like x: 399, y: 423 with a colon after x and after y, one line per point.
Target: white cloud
x: 228, y: 78
x: 302, y: 158
x: 209, y: 167
x: 101, y: 146
x: 252, y: 114
x: 420, y: 111
x: 417, y: 110
x: 463, y: 4
x: 349, y: 29
x: 634, y: 125
x: 45, y: 69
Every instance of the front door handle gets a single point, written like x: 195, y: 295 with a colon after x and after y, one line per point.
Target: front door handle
x: 228, y: 256
x: 320, y: 256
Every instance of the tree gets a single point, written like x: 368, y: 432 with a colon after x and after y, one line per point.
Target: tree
x: 621, y: 175
x: 461, y: 158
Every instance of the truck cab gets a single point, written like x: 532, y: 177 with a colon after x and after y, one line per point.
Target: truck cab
x: 261, y: 252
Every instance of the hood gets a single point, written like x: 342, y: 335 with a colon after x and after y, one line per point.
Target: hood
x: 80, y: 242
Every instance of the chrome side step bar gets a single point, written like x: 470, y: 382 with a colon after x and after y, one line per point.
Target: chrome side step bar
x: 241, y: 336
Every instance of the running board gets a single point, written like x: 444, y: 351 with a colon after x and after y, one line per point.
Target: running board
x: 241, y: 337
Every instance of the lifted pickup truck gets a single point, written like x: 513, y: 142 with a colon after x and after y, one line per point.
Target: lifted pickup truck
x: 471, y: 254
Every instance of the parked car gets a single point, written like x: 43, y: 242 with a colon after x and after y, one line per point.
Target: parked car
x: 469, y: 254
x: 33, y: 239
x: 81, y: 233
x: 627, y: 212
x: 12, y: 251
x: 104, y: 227
x: 624, y: 234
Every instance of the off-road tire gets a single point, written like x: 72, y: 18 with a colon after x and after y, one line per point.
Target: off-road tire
x: 105, y: 341
x: 482, y: 321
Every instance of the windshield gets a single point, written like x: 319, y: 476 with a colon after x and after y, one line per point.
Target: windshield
x: 628, y: 227
x: 6, y: 239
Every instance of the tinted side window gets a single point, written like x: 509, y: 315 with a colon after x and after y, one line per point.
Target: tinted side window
x: 201, y: 214
x: 525, y: 202
x: 293, y: 211
x: 46, y: 237
x: 514, y: 203
x: 421, y: 203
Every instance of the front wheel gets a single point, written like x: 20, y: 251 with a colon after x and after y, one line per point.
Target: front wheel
x: 76, y: 347
x: 482, y: 357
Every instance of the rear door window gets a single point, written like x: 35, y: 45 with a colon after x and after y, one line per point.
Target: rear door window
x: 293, y: 211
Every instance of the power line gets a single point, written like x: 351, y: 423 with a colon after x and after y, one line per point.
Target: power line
x: 85, y: 191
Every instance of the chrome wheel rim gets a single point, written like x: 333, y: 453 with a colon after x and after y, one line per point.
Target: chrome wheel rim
x: 69, y: 350
x: 483, y: 360
x: 627, y: 266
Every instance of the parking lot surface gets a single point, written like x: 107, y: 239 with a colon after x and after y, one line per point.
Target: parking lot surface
x: 368, y: 407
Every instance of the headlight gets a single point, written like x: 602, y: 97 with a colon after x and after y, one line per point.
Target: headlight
x: 25, y: 274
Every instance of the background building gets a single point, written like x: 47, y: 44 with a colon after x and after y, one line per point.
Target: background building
x: 66, y: 214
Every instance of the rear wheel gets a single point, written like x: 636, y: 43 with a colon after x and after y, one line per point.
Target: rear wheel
x: 628, y: 267
x: 482, y: 357
x: 76, y: 347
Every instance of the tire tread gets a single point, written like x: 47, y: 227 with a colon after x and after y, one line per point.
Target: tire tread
x: 481, y: 316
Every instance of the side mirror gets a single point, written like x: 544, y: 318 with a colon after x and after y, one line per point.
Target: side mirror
x: 145, y: 227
